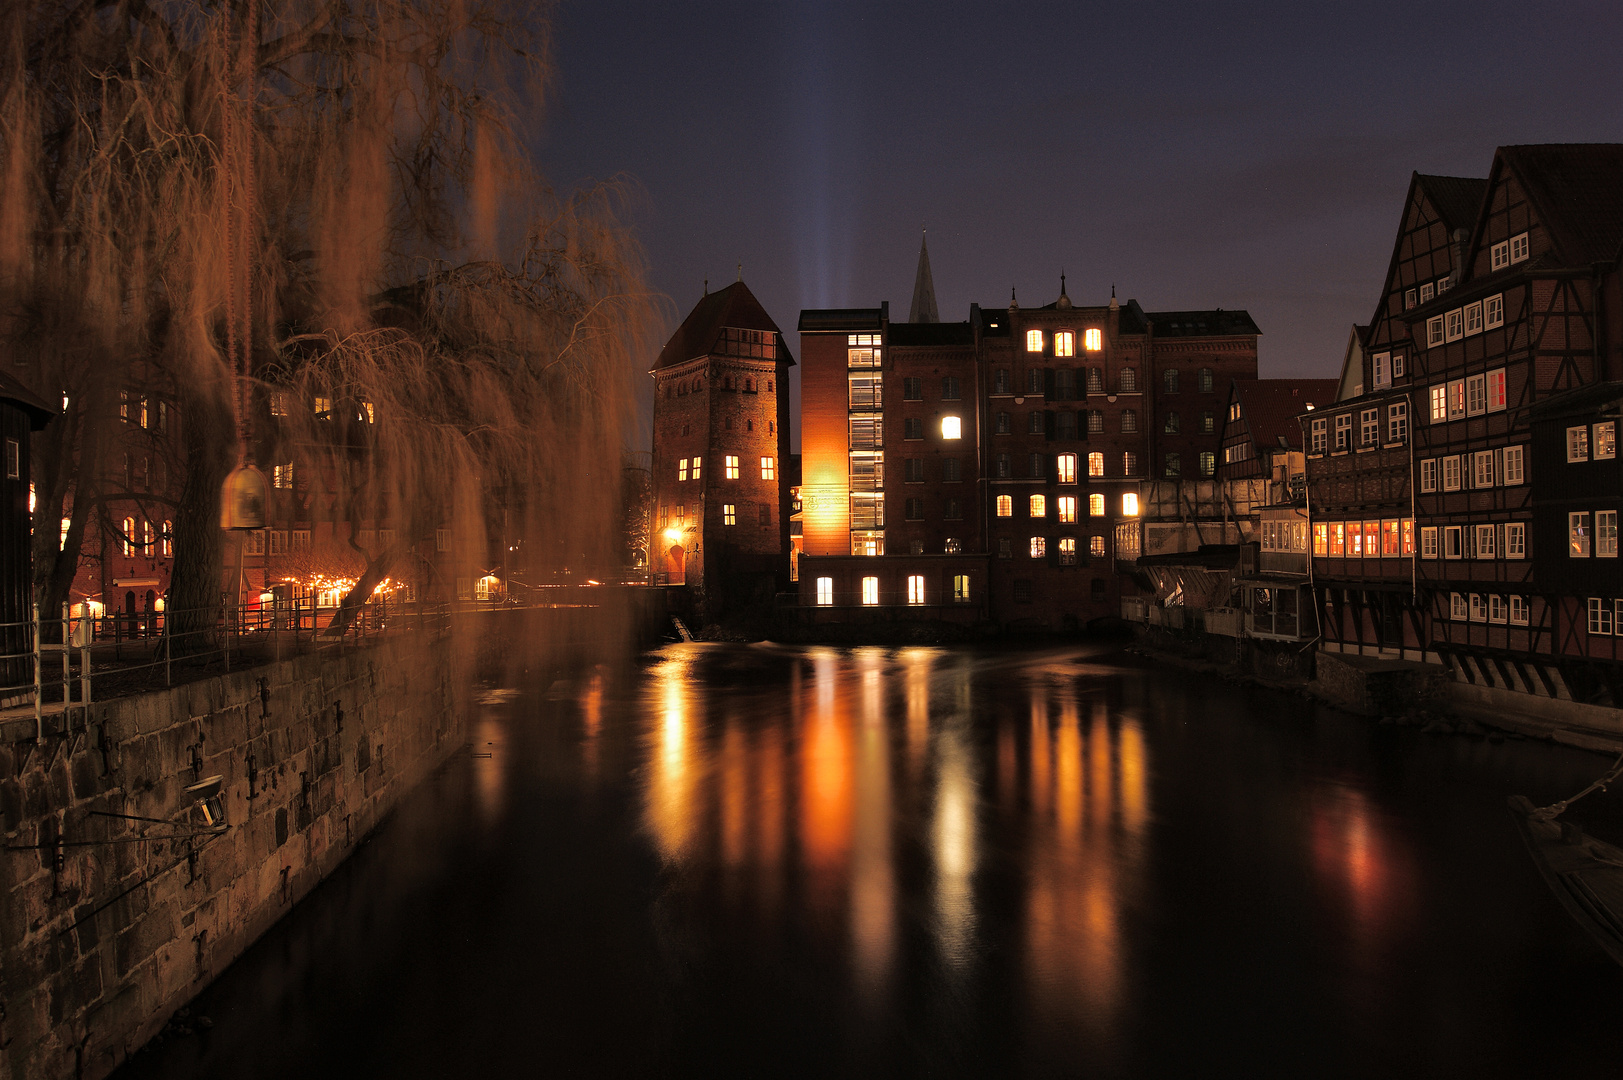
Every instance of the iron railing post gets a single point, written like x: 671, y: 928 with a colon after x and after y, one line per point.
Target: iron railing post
x: 39, y: 708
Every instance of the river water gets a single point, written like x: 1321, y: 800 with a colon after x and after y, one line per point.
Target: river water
x: 760, y: 861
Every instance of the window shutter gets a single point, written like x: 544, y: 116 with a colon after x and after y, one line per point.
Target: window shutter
x: 1048, y: 425
x: 1048, y: 384
x: 1052, y: 555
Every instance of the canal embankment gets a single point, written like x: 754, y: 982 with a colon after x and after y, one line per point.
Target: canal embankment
x: 125, y: 888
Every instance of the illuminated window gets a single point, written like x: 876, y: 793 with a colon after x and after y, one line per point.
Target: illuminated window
x: 146, y: 537
x: 1208, y: 463
x: 1064, y: 343
x: 1129, y: 464
x: 915, y: 589
x: 14, y: 454
x: 323, y: 408
x: 952, y: 427
x: 1039, y: 506
x: 1605, y: 441
x: 1067, y: 507
x: 1096, y: 505
x: 1096, y: 464
x: 1039, y: 547
x: 129, y: 536
x: 1321, y: 538
x: 1034, y: 341
x: 1005, y: 506
x: 953, y: 546
x: 729, y: 514
x: 681, y: 469
x: 282, y: 475
x: 1096, y: 546
x: 1092, y: 340
x: 1067, y: 551
x: 1129, y: 504
x: 1065, y: 466
x: 769, y: 468
x: 732, y: 467
x: 1578, y: 444
x: 696, y: 462
x: 870, y: 591
x: 825, y: 591
x: 960, y: 588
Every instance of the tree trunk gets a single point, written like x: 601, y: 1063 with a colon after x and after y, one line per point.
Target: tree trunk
x: 192, y: 612
x: 356, y: 598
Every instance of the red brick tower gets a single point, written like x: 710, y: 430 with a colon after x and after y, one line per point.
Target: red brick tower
x: 721, y: 445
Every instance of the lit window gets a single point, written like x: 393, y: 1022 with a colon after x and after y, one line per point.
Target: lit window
x: 1096, y: 547
x: 1605, y: 442
x: 1321, y: 538
x: 1456, y: 399
x: 1129, y: 504
x: 323, y: 408
x: 1005, y: 506
x: 870, y: 591
x: 278, y: 403
x: 1092, y: 340
x: 1496, y: 390
x: 1067, y: 508
x: 1039, y: 506
x: 1439, y: 403
x: 696, y: 462
x: 1578, y: 443
x: 1039, y: 547
x: 1096, y: 505
x: 825, y: 591
x: 1129, y: 463
x: 952, y: 427
x: 1096, y: 464
x: 769, y: 468
x: 1067, y: 551
x: 1034, y: 341
x: 129, y: 536
x: 66, y: 523
x: 1065, y: 467
x: 960, y: 588
x: 1578, y: 535
x: 1208, y: 463
x: 915, y: 589
x: 146, y: 537
x: 681, y: 469
x: 282, y: 476
x: 1064, y: 343
x: 732, y: 467
x: 729, y: 514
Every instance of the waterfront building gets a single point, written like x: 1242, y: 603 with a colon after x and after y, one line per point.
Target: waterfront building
x: 991, y: 470
x: 720, y: 445
x: 1441, y: 526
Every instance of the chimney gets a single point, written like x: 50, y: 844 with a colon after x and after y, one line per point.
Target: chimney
x: 1456, y: 250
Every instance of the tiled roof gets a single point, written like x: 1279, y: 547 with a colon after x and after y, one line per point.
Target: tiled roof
x: 1577, y: 189
x: 1271, y: 406
x: 38, y: 410
x: 734, y: 306
x: 1457, y: 198
x: 1201, y: 323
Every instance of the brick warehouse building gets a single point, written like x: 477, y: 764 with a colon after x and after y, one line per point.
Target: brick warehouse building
x: 989, y: 470
x: 721, y: 443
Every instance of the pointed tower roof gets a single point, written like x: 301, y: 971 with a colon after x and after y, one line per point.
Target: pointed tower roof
x: 734, y: 306
x: 923, y: 309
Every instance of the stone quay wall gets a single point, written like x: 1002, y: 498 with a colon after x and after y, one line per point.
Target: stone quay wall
x: 103, y: 938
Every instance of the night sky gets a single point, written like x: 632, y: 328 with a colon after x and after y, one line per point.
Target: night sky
x: 1195, y: 154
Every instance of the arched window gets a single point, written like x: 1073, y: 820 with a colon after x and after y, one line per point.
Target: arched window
x: 1129, y: 420
x: 1129, y: 380
x: 1169, y: 378
x: 1172, y: 423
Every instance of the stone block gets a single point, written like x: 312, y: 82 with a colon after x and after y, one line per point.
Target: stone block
x: 144, y: 938
x: 75, y: 990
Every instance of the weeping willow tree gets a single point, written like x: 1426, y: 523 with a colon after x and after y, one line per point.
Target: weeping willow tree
x: 212, y: 204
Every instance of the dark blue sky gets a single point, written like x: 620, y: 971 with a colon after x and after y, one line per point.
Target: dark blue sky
x: 1196, y: 154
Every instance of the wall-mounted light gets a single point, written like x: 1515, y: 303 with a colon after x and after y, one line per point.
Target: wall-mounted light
x: 207, y: 794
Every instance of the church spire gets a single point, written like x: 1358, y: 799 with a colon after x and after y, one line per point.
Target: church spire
x: 923, y: 309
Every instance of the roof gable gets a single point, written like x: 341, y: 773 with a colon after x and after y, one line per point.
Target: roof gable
x: 1270, y: 407
x: 1576, y: 190
x: 736, y: 307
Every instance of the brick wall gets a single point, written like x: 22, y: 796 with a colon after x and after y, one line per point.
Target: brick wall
x: 95, y: 956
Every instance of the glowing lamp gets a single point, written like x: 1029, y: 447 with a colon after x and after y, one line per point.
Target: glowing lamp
x: 243, y: 498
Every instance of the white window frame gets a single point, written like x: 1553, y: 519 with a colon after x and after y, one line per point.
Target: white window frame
x: 1499, y: 255
x: 1482, y: 469
x: 1498, y: 395
x: 1369, y: 427
x: 1039, y: 547
x: 1605, y: 534
x: 1439, y: 403
x: 1493, y: 311
x: 1381, y: 369
x: 1457, y: 610
x: 1601, y: 621
x: 1473, y: 319
x: 1428, y: 475
x: 1479, y: 608
x: 1456, y: 398
x: 1518, y: 610
x: 1428, y: 292
x: 1434, y: 331
x: 1516, y: 540
x: 1451, y: 473
x: 1476, y: 395
x: 915, y: 589
x: 1519, y: 248
x: 769, y: 468
x: 1453, y: 542
x: 1578, y: 443
x: 1496, y: 609
x: 1034, y: 341
x: 1486, y: 535
x: 1428, y: 541
x: 1578, y: 535
x: 1514, y: 471
x: 1397, y: 422
x: 1603, y: 441
x: 825, y: 592
x: 1320, y: 435
x: 870, y: 591
x: 1454, y: 324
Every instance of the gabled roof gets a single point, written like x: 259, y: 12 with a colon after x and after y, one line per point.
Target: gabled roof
x: 1351, y: 383
x: 1201, y: 323
x: 734, y: 306
x: 1271, y: 406
x: 1577, y: 192
x: 38, y: 409
x: 1582, y: 401
x: 1456, y: 198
